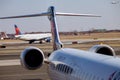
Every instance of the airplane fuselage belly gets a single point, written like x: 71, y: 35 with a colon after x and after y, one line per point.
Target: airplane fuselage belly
x: 72, y: 64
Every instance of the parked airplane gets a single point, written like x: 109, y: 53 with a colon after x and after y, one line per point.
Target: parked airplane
x: 32, y: 37
x: 100, y: 63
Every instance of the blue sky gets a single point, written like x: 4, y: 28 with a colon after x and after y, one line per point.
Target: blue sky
x: 110, y: 15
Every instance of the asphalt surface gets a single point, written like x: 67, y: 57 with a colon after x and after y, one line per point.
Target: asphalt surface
x: 20, y: 73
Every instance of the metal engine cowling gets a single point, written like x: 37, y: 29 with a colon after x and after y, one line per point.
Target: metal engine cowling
x: 103, y: 49
x: 32, y: 58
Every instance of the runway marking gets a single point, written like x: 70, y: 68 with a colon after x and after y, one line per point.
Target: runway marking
x: 12, y: 62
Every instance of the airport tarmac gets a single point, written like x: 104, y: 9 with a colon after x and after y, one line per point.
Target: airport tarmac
x: 17, y: 72
x: 10, y: 67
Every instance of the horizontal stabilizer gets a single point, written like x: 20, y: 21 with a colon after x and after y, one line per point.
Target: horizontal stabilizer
x: 24, y: 16
x: 75, y: 14
x: 48, y: 13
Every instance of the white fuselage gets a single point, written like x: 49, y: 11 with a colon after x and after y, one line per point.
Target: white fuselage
x: 28, y: 37
x: 72, y: 64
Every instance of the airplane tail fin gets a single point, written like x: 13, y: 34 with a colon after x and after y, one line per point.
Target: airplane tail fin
x: 57, y: 44
x: 17, y: 30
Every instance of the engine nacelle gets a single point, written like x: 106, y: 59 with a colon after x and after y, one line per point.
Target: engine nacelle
x: 32, y: 58
x: 103, y: 49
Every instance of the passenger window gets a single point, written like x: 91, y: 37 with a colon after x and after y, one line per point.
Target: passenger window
x: 70, y: 70
x: 65, y: 69
x: 62, y: 67
x: 59, y: 67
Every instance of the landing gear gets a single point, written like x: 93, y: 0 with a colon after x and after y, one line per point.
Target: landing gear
x: 2, y: 46
x: 40, y: 42
x: 30, y: 42
x: 48, y: 40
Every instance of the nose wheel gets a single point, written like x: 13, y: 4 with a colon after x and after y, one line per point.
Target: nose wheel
x: 30, y: 42
x: 40, y: 42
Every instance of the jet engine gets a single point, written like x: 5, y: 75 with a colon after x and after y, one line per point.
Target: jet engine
x: 32, y: 58
x: 103, y: 49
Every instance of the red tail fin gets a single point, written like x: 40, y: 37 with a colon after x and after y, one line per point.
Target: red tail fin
x: 17, y: 30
